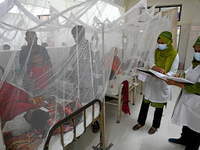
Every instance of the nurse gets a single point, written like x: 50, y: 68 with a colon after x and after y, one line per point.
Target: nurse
x: 156, y: 92
x: 187, y: 108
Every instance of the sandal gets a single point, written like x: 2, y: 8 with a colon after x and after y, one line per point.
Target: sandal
x: 96, y: 127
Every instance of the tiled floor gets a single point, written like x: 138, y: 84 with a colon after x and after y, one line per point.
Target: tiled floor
x: 122, y: 136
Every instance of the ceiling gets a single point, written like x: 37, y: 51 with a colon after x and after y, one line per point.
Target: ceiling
x: 63, y: 4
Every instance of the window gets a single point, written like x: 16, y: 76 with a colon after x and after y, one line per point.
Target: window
x: 178, y: 34
x: 47, y: 17
x: 44, y: 17
x: 169, y: 7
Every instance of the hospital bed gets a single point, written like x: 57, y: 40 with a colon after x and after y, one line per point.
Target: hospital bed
x: 81, y: 119
x: 115, y: 91
x: 91, y: 113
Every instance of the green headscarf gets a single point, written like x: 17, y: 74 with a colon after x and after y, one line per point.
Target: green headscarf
x: 197, y: 43
x: 168, y: 35
x: 194, y: 61
x: 165, y: 58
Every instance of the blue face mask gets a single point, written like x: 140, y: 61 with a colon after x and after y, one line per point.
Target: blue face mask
x: 197, y: 56
x: 162, y: 46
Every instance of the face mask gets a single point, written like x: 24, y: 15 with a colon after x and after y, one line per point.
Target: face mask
x: 162, y: 46
x: 197, y: 56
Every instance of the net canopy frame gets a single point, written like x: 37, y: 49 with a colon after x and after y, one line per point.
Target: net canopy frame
x: 75, y: 67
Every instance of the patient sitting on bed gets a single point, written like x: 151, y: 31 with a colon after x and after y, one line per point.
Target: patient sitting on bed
x: 116, y: 66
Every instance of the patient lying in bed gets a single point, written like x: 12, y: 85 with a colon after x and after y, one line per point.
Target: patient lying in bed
x: 34, y: 118
x: 22, y: 115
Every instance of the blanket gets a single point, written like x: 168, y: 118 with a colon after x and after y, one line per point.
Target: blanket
x: 15, y: 99
x: 33, y: 138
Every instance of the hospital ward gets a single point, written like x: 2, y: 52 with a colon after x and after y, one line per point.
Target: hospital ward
x: 99, y: 75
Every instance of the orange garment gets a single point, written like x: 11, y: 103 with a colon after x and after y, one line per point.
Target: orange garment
x: 116, y: 65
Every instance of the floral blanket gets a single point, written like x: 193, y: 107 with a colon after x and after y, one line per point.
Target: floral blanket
x: 32, y: 139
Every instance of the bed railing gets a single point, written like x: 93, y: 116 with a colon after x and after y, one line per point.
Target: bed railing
x: 119, y: 97
x: 73, y: 118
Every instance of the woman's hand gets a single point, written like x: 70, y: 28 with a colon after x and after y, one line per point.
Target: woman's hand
x: 178, y: 76
x: 161, y: 70
x: 170, y: 82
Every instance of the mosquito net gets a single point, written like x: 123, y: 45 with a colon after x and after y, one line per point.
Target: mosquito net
x: 59, y: 62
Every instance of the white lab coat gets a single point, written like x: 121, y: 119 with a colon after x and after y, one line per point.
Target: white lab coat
x: 156, y: 90
x: 187, y: 108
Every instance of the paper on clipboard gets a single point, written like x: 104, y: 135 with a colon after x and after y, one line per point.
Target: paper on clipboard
x: 142, y: 77
x: 162, y: 76
x: 180, y: 80
x: 145, y: 71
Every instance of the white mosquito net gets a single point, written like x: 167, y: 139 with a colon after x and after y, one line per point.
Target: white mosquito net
x: 56, y: 65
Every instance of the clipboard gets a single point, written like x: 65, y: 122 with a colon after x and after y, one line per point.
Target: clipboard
x: 165, y: 77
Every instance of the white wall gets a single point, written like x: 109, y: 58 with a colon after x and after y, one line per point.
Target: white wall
x: 194, y: 32
x: 189, y: 15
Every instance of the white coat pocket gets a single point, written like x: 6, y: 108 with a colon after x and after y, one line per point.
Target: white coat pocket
x: 192, y: 101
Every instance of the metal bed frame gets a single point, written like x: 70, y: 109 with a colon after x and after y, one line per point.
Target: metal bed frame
x: 2, y: 71
x: 118, y: 97
x: 73, y: 118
